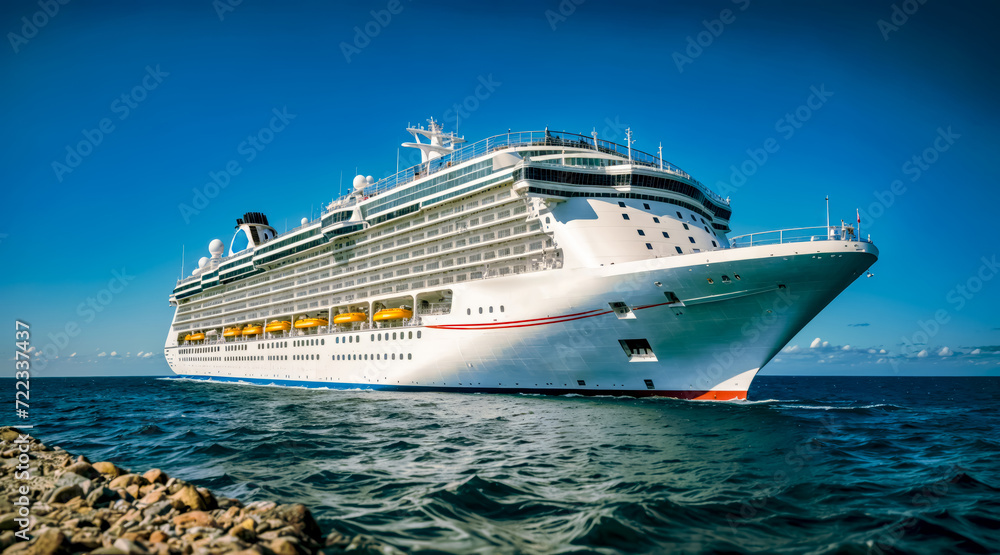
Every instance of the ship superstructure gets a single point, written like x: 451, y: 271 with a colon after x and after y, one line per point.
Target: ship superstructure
x: 526, y: 262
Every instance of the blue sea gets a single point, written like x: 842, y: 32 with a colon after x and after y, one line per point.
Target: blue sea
x: 808, y: 465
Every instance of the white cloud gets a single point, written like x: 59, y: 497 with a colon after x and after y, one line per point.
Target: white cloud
x: 945, y: 352
x: 114, y: 353
x: 816, y: 343
x: 872, y: 351
x: 882, y: 352
x: 846, y: 348
x: 791, y: 348
x: 102, y: 354
x: 975, y: 352
x: 72, y: 355
x: 139, y: 354
x: 922, y: 354
x: 826, y: 343
x: 147, y: 355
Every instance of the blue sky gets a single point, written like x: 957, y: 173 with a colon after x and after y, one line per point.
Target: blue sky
x: 118, y: 113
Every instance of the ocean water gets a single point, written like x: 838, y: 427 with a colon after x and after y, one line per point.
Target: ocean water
x: 809, y: 465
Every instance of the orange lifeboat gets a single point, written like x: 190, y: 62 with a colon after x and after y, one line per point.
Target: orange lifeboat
x: 310, y: 323
x: 253, y: 329
x: 278, y: 325
x: 349, y: 318
x: 392, y: 314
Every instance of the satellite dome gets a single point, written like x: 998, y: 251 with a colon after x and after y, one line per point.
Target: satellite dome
x: 359, y: 182
x: 304, y: 221
x: 215, y: 248
x: 202, y: 262
x: 370, y: 180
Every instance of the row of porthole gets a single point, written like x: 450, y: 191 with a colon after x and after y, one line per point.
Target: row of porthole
x: 725, y: 279
x: 196, y: 350
x: 201, y: 359
x: 236, y: 347
x: 409, y: 356
x: 468, y: 311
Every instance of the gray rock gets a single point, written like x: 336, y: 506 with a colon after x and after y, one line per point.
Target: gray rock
x: 65, y: 493
x: 101, y: 497
x: 69, y: 478
x: 157, y: 509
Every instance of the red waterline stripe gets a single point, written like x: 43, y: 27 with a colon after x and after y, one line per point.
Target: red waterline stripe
x: 650, y: 306
x: 506, y: 326
x: 516, y: 321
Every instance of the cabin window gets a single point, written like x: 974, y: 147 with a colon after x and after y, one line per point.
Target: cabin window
x: 468, y: 312
x: 666, y: 235
x: 714, y: 244
x: 410, y: 335
x: 656, y: 220
x: 679, y: 251
x: 622, y: 204
x: 394, y: 335
x: 649, y: 246
x: 725, y: 279
x: 322, y: 341
x: 418, y: 331
x: 679, y: 215
x: 480, y: 310
x: 691, y: 239
x: 501, y: 308
x: 711, y: 281
x: 645, y: 205
x: 686, y: 226
x: 641, y: 233
x: 409, y: 356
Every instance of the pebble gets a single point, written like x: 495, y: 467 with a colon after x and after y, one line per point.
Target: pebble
x: 83, y: 507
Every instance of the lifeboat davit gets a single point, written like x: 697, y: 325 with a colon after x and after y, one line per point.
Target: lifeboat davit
x: 253, y: 329
x: 232, y: 332
x: 392, y: 314
x: 349, y: 318
x: 197, y: 336
x: 310, y: 323
x: 278, y: 325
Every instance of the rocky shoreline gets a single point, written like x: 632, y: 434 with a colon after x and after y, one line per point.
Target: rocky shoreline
x: 81, y: 507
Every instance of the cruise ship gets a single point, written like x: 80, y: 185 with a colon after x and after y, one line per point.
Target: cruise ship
x: 528, y: 262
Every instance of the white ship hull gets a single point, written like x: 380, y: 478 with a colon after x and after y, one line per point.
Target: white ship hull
x: 558, y: 332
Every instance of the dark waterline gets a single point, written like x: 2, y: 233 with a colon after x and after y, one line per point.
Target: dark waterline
x: 813, y: 465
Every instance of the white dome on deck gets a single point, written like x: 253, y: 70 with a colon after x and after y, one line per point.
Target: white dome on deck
x: 216, y: 247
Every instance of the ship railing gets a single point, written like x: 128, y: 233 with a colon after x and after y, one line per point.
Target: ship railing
x: 529, y: 138
x: 798, y: 235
